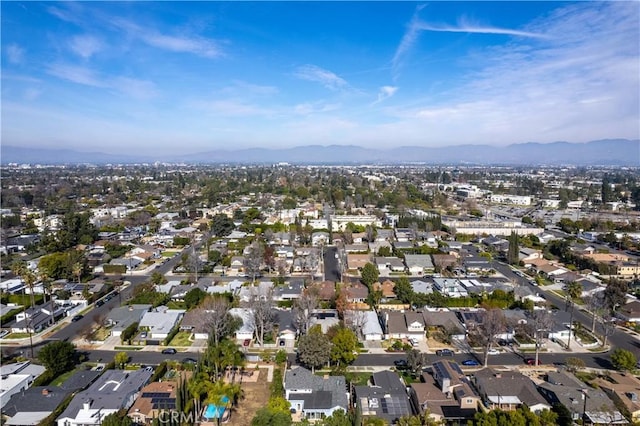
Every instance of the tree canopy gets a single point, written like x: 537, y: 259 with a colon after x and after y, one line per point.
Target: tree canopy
x: 58, y: 357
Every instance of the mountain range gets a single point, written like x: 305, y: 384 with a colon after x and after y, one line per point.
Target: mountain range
x: 611, y: 152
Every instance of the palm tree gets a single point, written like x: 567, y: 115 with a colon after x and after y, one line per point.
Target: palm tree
x: 76, y: 269
x: 46, y: 286
x: 574, y: 291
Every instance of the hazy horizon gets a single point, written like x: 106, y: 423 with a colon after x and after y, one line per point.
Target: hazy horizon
x: 168, y: 78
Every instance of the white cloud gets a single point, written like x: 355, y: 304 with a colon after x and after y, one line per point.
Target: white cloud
x: 85, y: 46
x: 386, y: 92
x: 308, y: 108
x: 319, y: 75
x: 231, y: 108
x: 76, y: 74
x: 15, y: 54
x: 175, y: 43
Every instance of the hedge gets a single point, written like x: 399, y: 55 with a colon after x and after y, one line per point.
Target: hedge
x: 161, y: 370
x: 114, y: 269
x: 171, y: 335
x: 128, y: 332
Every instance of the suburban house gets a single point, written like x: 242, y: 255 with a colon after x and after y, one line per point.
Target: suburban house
x: 444, y: 321
x: 326, y: 318
x: 443, y: 261
x: 121, y: 318
x: 450, y: 287
x: 508, y: 390
x: 366, y: 323
x: 113, y: 391
x: 386, y: 397
x: 154, y: 398
x: 195, y: 322
x: 452, y: 399
x: 290, y: 291
x: 248, y: 325
x: 16, y: 378
x: 313, y: 397
x: 404, y: 325
x: 387, y: 289
x: 357, y: 261
x: 32, y: 406
x: 356, y: 293
x: 161, y: 321
x: 422, y: 286
x: 387, y: 265
x: 583, y: 402
x: 419, y: 264
x: 325, y: 290
x: 630, y: 312
x: 623, y: 389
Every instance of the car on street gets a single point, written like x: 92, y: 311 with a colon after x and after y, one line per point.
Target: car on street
x: 531, y: 361
x: 470, y: 362
x: 77, y: 318
x: 444, y: 352
x: 401, y: 364
x: 189, y: 361
x: 169, y: 351
x: 493, y: 351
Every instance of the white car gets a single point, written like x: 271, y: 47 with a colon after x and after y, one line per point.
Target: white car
x: 493, y: 352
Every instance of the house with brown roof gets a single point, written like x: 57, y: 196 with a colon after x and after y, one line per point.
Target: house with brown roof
x: 623, y: 389
x: 508, y: 390
x: 154, y: 398
x: 630, y: 312
x: 403, y: 325
x: 387, y: 289
x: 442, y: 261
x: 326, y: 290
x: 357, y: 261
x: 356, y: 294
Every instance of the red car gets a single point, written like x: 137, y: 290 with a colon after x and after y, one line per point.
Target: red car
x: 532, y: 361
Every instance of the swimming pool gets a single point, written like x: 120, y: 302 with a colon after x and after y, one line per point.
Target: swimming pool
x: 213, y: 411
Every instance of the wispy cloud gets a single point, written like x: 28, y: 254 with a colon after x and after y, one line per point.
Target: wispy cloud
x: 231, y: 108
x: 85, y: 45
x: 182, y: 43
x: 68, y: 11
x: 417, y: 26
x: 319, y: 75
x: 244, y: 87
x: 130, y: 87
x: 15, y: 54
x: 309, y: 108
x: 386, y: 92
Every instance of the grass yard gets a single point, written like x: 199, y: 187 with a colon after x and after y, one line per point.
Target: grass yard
x: 169, y: 253
x: 101, y: 334
x: 62, y: 378
x: 181, y: 339
x: 357, y: 379
x: 17, y: 336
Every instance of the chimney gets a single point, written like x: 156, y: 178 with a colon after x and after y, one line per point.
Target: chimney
x: 45, y: 391
x: 86, y: 405
x: 498, y: 375
x: 131, y: 307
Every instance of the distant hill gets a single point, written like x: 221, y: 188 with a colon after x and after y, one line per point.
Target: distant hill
x: 614, y: 152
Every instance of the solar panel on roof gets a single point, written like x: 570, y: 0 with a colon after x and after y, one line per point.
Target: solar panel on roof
x: 156, y: 394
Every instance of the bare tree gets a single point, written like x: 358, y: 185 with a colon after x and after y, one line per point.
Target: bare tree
x: 493, y: 323
x: 608, y: 328
x: 214, y: 315
x: 261, y: 306
x: 595, y: 305
x: 303, y: 308
x: 541, y: 321
x: 253, y: 259
x: 356, y: 321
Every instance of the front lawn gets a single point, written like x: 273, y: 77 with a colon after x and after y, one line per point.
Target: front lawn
x: 17, y: 336
x: 62, y: 378
x: 181, y: 339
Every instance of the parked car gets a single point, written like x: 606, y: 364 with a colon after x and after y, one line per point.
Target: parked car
x: 100, y: 302
x: 169, y: 351
x: 143, y: 335
x: 4, y: 333
x: 531, y: 361
x: 401, y: 364
x: 77, y: 318
x: 189, y: 361
x: 444, y: 352
x: 493, y: 351
x: 470, y: 362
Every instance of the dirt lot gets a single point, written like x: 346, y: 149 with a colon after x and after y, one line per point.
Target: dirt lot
x: 256, y: 395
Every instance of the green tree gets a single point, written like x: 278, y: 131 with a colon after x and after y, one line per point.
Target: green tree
x: 194, y: 297
x: 369, y: 274
x: 573, y: 289
x: 267, y: 417
x: 314, y: 348
x: 221, y: 225
x: 404, y: 291
x: 338, y: 418
x: 564, y: 415
x: 58, y: 356
x: 415, y: 360
x: 157, y: 278
x: 117, y: 419
x: 513, y: 253
x: 623, y: 360
x: 548, y: 418
x: 120, y: 359
x: 345, y: 347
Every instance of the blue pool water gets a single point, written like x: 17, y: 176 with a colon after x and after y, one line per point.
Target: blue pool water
x: 215, y: 412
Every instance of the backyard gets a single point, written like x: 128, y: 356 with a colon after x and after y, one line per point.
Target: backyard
x: 256, y: 395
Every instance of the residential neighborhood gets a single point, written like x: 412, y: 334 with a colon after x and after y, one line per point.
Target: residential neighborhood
x: 245, y: 303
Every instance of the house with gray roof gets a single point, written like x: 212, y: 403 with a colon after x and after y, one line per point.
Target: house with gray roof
x: 290, y: 291
x: 17, y: 377
x: 315, y: 397
x: 508, y: 390
x: 386, y: 398
x: 161, y: 321
x: 113, y: 391
x: 419, y: 264
x: 33, y: 405
x: 564, y: 388
x: 123, y: 317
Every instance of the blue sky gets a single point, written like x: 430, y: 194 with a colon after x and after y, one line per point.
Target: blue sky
x: 169, y: 77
